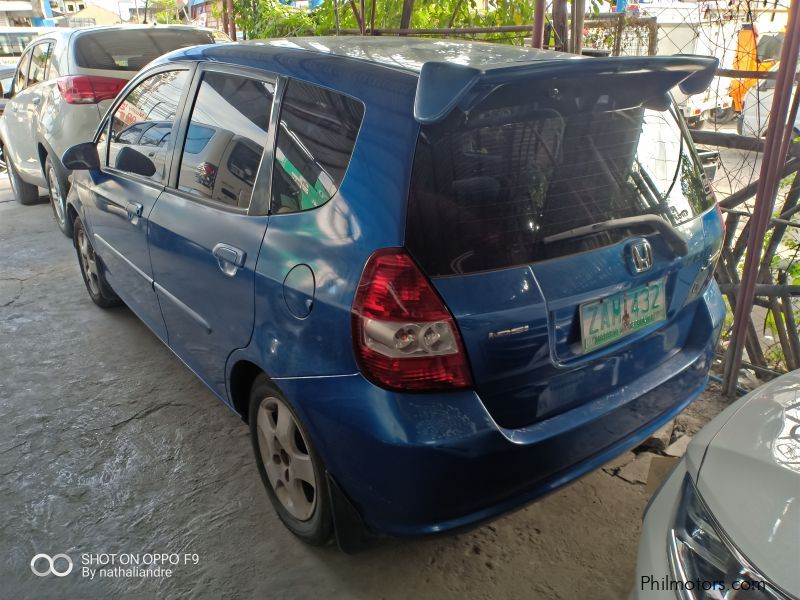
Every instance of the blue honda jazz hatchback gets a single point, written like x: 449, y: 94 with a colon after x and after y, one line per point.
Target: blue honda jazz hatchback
x: 438, y: 279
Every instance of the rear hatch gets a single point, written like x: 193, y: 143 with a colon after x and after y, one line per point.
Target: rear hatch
x: 568, y: 225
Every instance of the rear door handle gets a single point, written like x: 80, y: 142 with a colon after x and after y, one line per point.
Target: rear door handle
x: 229, y: 258
x: 36, y: 100
x: 134, y: 211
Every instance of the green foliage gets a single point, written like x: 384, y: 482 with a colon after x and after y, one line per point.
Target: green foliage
x: 164, y: 11
x: 268, y: 18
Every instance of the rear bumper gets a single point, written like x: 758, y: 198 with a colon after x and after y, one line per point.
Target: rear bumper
x: 417, y: 464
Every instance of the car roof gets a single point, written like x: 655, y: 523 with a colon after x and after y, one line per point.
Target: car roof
x: 449, y: 72
x: 95, y: 28
x: 409, y: 54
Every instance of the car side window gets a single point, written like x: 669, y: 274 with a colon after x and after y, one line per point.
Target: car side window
x: 152, y: 103
x: 21, y: 79
x: 39, y: 63
x: 226, y: 137
x: 315, y: 140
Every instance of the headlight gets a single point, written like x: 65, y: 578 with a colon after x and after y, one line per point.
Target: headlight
x: 705, y: 564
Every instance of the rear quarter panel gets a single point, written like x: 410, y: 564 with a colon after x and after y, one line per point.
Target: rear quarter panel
x: 335, y: 240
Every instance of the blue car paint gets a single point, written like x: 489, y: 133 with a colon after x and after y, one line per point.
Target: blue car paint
x: 422, y: 463
x: 123, y: 243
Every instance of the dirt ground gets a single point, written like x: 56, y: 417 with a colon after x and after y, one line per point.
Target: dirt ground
x: 108, y: 444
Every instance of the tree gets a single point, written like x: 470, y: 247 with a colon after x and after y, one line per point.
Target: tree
x: 269, y: 18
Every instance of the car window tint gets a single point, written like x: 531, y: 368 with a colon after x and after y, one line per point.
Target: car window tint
x: 316, y: 136
x: 22, y: 72
x: 151, y: 105
x: 226, y: 137
x: 132, y: 134
x: 130, y: 50
x: 495, y: 186
x: 196, y: 138
x: 157, y: 135
x: 39, y: 59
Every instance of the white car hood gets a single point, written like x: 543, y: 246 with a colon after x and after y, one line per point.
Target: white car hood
x: 750, y: 479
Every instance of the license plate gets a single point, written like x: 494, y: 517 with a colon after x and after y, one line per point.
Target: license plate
x: 606, y: 320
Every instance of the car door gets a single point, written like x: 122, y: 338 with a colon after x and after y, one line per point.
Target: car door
x: 29, y: 103
x: 129, y: 185
x: 15, y: 124
x: 208, y: 224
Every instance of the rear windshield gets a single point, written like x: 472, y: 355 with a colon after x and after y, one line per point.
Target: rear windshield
x: 120, y: 50
x: 491, y: 184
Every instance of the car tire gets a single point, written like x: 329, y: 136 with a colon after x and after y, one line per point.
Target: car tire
x: 720, y: 116
x: 57, y: 189
x: 286, y: 460
x: 92, y: 269
x: 24, y: 193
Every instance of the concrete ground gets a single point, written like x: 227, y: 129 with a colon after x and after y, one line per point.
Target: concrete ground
x: 108, y: 444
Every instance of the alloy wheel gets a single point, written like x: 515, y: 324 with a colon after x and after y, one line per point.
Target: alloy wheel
x: 56, y: 197
x: 286, y: 458
x: 88, y: 262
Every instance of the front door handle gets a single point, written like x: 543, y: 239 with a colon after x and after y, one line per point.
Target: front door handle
x: 229, y: 258
x: 134, y: 211
x: 36, y: 100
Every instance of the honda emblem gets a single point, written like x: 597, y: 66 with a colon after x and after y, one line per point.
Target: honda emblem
x: 641, y: 256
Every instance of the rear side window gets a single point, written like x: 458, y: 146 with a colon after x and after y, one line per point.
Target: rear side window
x: 226, y: 138
x: 121, y: 50
x: 39, y: 62
x: 149, y: 107
x: 316, y: 136
x: 491, y: 186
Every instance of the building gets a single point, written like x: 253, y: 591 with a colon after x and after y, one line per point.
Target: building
x: 89, y: 15
x: 27, y: 13
x: 206, y: 13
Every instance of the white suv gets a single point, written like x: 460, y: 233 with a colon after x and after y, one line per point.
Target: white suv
x: 64, y: 83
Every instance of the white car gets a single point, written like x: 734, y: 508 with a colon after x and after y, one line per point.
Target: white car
x: 755, y: 109
x: 725, y: 524
x: 65, y: 81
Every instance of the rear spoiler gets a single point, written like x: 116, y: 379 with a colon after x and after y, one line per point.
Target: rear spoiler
x: 444, y: 85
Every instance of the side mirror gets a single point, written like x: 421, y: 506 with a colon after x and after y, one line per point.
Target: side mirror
x: 81, y: 157
x: 133, y: 161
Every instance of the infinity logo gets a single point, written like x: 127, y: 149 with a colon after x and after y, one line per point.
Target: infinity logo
x: 51, y: 561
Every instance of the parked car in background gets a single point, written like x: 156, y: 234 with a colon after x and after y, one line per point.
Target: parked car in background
x: 726, y: 522
x: 439, y: 279
x: 754, y: 119
x: 63, y: 85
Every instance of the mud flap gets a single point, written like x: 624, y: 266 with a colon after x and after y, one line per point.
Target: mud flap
x: 351, y: 534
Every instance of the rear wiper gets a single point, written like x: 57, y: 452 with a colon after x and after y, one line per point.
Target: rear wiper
x: 671, y: 235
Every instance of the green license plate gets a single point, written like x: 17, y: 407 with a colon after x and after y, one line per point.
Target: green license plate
x: 606, y: 320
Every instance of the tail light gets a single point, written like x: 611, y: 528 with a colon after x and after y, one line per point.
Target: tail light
x: 87, y: 89
x: 403, y: 335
